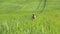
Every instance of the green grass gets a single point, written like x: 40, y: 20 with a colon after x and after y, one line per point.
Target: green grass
x: 16, y: 17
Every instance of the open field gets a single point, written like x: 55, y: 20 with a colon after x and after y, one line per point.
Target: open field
x: 16, y: 17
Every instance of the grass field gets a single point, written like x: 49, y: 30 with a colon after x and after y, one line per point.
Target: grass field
x: 16, y: 17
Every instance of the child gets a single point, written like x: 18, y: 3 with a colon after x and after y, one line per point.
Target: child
x: 33, y: 16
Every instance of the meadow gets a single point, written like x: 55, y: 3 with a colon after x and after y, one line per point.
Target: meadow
x: 16, y: 17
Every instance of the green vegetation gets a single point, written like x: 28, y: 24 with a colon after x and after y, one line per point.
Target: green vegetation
x: 16, y: 17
